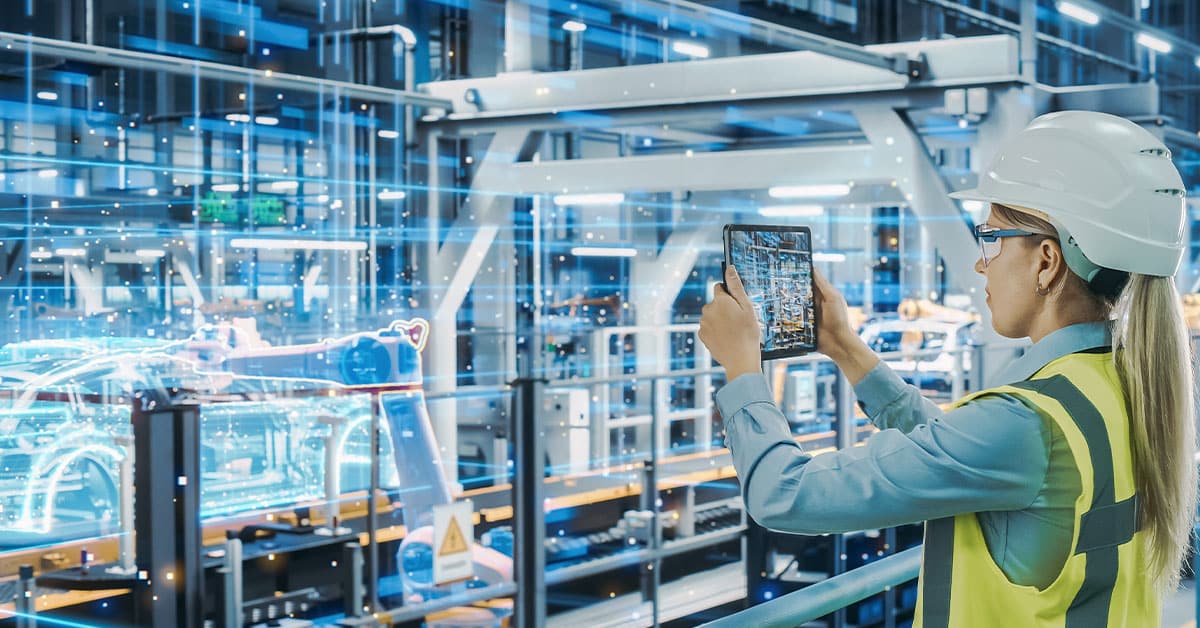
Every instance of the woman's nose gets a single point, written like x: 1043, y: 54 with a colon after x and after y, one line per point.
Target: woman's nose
x: 979, y: 266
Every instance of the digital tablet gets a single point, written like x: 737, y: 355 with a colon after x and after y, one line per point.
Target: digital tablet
x: 775, y: 265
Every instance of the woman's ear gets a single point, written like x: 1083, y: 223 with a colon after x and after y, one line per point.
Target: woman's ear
x: 1051, y: 264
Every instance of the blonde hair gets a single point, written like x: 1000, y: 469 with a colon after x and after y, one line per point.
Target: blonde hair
x: 1152, y: 356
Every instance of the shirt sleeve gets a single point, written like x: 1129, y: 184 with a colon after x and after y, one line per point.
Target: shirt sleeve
x: 990, y: 454
x: 890, y: 403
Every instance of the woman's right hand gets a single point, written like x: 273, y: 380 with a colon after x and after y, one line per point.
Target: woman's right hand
x: 834, y: 334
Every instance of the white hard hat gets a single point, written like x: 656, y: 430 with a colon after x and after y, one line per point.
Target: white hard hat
x: 1105, y: 181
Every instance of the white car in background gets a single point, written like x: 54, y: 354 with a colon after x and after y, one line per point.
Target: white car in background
x: 924, y: 352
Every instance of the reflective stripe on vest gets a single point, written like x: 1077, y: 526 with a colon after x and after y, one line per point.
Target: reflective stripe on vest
x: 1103, y: 528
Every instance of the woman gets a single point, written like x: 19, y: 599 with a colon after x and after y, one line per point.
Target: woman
x: 1064, y: 498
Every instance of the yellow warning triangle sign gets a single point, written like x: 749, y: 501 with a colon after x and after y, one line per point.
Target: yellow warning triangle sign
x: 454, y: 543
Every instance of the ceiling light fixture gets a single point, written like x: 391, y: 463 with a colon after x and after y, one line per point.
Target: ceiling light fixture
x: 600, y: 251
x: 272, y: 244
x: 563, y: 200
x: 1076, y: 12
x: 1154, y: 43
x: 691, y: 49
x: 791, y: 211
x: 809, y: 191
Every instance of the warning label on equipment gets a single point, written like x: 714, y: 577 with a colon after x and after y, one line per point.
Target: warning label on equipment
x: 454, y: 542
x: 453, y: 533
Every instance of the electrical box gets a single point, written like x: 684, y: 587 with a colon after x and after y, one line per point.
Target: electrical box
x: 566, y: 414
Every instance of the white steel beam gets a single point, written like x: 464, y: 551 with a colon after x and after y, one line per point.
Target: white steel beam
x: 451, y: 269
x: 957, y: 62
x: 655, y: 282
x: 684, y: 114
x: 729, y: 170
x: 901, y: 149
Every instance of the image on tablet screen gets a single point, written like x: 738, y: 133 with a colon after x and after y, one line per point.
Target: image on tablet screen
x: 776, y: 269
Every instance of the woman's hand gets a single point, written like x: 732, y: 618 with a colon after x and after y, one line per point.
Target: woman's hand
x: 833, y: 318
x: 835, y: 337
x: 730, y: 330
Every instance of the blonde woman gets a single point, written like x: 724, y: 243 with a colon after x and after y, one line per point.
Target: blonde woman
x: 1064, y: 498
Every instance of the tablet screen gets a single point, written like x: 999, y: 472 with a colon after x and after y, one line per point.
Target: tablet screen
x: 775, y: 265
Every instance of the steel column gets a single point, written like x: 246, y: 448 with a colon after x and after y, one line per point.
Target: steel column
x: 352, y: 579
x: 26, y: 590
x: 528, y: 501
x: 170, y: 588
x: 233, y: 589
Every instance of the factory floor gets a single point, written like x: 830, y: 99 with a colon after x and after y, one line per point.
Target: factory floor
x: 1179, y: 610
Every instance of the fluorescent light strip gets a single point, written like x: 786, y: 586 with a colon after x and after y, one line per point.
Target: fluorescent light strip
x: 563, y: 200
x: 1154, y: 43
x: 47, y: 174
x: 698, y: 51
x: 600, y: 251
x: 829, y: 257
x: 388, y: 134
x: 266, y: 120
x: 51, y: 96
x: 70, y: 252
x: 153, y: 253
x: 391, y: 195
x: 272, y: 244
x: 226, y: 187
x: 809, y: 191
x: 1076, y: 12
x: 40, y: 255
x: 284, y: 186
x: 238, y: 117
x: 791, y: 211
x: 573, y: 26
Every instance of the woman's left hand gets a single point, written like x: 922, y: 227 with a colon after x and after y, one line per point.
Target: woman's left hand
x: 730, y: 330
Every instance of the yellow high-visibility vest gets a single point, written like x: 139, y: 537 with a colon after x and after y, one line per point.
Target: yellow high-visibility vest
x: 1104, y: 581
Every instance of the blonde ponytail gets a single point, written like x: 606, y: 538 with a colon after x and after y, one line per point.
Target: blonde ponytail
x: 1153, y: 358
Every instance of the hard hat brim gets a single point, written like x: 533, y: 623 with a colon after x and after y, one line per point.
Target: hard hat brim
x: 973, y: 194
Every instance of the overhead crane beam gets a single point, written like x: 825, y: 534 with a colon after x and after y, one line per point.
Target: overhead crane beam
x: 961, y: 62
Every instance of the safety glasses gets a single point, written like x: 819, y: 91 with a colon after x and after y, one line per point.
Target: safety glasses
x: 990, y: 237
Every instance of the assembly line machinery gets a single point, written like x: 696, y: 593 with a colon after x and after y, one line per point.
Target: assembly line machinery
x: 160, y: 483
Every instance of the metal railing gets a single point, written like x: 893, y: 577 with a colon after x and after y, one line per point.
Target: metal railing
x: 828, y: 596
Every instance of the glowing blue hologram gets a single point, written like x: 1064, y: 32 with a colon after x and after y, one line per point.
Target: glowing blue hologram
x: 60, y: 460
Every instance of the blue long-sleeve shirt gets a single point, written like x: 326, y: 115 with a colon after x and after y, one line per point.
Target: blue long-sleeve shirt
x: 995, y: 456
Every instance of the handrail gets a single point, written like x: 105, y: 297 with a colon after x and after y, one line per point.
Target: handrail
x: 829, y: 595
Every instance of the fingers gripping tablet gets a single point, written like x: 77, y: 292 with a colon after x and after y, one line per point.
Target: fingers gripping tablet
x: 775, y: 266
